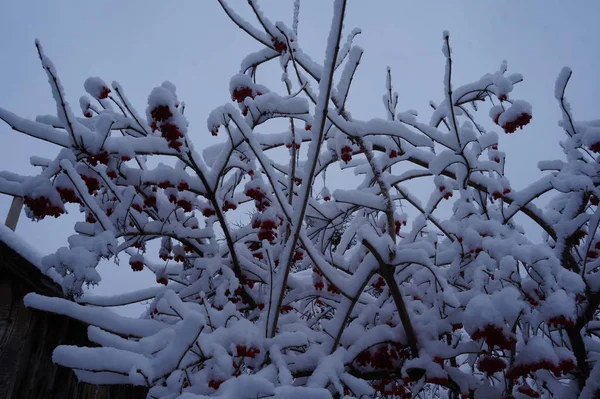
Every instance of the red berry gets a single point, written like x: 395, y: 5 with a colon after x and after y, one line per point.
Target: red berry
x: 491, y: 365
x: 208, y: 212
x: 527, y: 390
x: 161, y: 113
x: 185, y: 205
x: 104, y: 93
x: 287, y: 309
x: 519, y: 123
x: 136, y: 265
x: 162, y: 280
x: 241, y: 93
x: 67, y: 195
x: 279, y: 46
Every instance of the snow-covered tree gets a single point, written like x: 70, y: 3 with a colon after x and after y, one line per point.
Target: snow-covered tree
x: 269, y: 285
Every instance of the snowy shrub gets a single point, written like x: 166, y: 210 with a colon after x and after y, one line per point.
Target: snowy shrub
x: 272, y: 282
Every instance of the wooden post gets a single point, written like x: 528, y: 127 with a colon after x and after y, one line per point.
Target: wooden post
x: 14, y: 212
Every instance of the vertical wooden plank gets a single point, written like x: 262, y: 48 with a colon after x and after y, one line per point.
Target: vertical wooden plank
x: 28, y: 338
x: 14, y: 212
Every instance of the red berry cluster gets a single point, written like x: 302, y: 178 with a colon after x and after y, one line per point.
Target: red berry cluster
x: 92, y: 183
x: 286, y: 309
x: 595, y: 147
x: 346, y: 152
x: 500, y: 195
x: 386, y: 356
x: 289, y: 145
x: 101, y: 157
x: 185, y: 205
x: 393, y: 154
x: 241, y: 93
x: 279, y: 46
x: 535, y: 301
x: 215, y: 384
x: 446, y: 194
x: 521, y: 121
x: 333, y: 289
x: 227, y: 205
x: 164, y: 254
x: 161, y: 116
x: 165, y: 184
x: 260, y: 200
x: 490, y: 365
x: 136, y: 265
x: 104, y: 92
x: 172, y: 134
x: 398, y: 225
x: 243, y: 351
x: 380, y: 283
x: 182, y: 186
x: 68, y: 195
x: 208, y: 212
x: 494, y: 336
x: 161, y: 113
x: 267, y: 234
x: 162, y: 280
x: 42, y: 207
x: 527, y: 390
x: 298, y: 255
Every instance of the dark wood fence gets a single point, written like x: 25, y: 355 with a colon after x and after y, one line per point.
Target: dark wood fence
x: 28, y: 337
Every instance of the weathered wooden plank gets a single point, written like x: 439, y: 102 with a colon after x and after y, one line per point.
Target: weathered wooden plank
x: 28, y: 337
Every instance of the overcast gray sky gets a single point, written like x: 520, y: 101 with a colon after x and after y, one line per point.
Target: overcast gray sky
x: 193, y: 44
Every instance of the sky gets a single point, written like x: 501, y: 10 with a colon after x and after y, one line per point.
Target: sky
x: 141, y: 43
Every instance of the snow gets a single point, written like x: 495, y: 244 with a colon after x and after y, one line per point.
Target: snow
x: 517, y: 108
x: 24, y: 249
x: 95, y: 87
